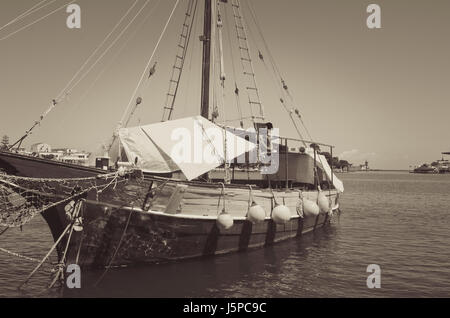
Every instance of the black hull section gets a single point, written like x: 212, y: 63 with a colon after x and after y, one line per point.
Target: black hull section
x: 27, y: 166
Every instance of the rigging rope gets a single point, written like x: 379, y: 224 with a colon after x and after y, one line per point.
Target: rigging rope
x: 195, y: 21
x: 111, y: 45
x: 27, y: 13
x: 36, y: 21
x: 255, y: 20
x: 236, y: 90
x: 143, y: 73
x: 277, y: 73
x: 68, y: 88
x: 189, y: 19
x: 245, y: 53
x: 116, y: 55
x: 281, y: 84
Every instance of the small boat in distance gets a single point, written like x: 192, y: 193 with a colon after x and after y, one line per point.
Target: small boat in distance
x: 438, y: 166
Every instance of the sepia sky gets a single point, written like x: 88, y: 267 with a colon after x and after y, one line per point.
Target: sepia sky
x: 381, y: 95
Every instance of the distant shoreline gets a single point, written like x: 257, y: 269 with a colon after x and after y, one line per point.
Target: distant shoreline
x: 375, y: 170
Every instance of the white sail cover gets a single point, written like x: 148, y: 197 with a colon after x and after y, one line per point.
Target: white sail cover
x: 193, y: 145
x: 322, y: 162
x: 139, y: 147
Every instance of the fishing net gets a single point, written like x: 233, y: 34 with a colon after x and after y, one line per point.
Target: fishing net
x: 23, y: 198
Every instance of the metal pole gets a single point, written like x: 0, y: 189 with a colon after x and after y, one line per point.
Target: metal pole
x: 206, y: 64
x: 332, y: 173
x: 286, y: 162
x: 315, y: 169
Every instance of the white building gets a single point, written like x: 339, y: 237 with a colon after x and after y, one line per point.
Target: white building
x: 40, y: 147
x: 68, y: 155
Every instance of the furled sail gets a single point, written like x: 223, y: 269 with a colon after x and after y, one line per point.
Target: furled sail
x: 193, y: 145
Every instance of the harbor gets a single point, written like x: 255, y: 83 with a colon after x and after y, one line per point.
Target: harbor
x: 223, y: 149
x: 293, y: 268
x: 147, y: 200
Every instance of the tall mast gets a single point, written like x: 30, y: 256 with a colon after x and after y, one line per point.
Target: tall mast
x: 206, y: 61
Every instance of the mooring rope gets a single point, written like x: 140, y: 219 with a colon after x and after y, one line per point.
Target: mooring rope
x: 4, y: 230
x: 46, y: 256
x: 31, y: 259
x: 62, y: 263
x: 116, y: 250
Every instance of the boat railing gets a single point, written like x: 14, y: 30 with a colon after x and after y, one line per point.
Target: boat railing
x: 307, y: 142
x: 287, y: 148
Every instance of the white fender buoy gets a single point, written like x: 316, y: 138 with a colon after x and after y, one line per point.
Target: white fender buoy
x: 69, y: 207
x: 323, y: 203
x: 310, y: 208
x: 121, y: 171
x: 281, y: 214
x: 78, y: 225
x: 224, y: 221
x: 256, y: 213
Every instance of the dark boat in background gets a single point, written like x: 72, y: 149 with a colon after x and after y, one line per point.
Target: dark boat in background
x: 438, y: 166
x: 426, y: 168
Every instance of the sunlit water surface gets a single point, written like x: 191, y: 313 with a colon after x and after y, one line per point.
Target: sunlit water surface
x: 397, y: 220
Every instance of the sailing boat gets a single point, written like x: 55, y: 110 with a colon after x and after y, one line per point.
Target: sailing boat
x: 160, y: 204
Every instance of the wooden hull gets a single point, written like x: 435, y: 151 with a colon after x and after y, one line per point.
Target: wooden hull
x: 153, y: 237
x: 119, y: 228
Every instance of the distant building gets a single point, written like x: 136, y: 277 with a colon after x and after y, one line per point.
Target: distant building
x: 66, y: 150
x: 80, y: 158
x: 40, y: 147
x: 68, y: 155
x: 361, y: 167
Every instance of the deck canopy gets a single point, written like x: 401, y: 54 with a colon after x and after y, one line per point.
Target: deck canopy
x: 193, y: 145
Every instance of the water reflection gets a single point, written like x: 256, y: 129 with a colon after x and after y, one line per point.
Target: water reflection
x: 236, y: 273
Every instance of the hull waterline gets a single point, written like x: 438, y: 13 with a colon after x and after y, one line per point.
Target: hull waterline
x: 155, y: 237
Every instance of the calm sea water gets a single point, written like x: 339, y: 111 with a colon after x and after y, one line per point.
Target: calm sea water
x: 397, y: 220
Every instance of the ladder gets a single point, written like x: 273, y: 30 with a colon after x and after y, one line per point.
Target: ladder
x: 180, y: 57
x: 254, y: 100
